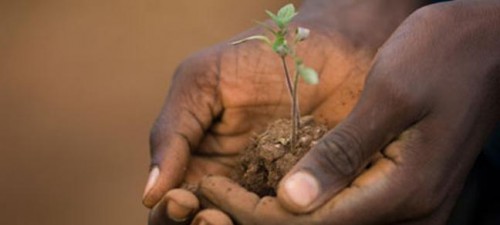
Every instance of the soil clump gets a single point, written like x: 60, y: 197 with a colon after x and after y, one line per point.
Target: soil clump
x: 269, y: 156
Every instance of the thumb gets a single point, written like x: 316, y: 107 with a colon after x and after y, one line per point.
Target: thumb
x: 345, y: 151
x: 187, y: 113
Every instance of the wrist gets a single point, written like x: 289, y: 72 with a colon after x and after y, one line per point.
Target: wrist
x: 367, y: 22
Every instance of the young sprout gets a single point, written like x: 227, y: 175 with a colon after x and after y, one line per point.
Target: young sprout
x: 283, y: 49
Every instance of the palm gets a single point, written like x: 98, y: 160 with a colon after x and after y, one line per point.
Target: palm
x: 248, y: 86
x: 221, y: 96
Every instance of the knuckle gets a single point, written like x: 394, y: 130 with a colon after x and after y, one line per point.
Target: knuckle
x: 434, y: 13
x: 156, y: 138
x: 395, y: 95
x: 434, y: 20
x: 192, y: 100
x: 428, y: 13
x: 203, y: 62
x: 422, y: 28
x: 155, y: 134
x: 198, y: 76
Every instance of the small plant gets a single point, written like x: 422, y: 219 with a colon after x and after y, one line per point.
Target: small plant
x: 283, y: 48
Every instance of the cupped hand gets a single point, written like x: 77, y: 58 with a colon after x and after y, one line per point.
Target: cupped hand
x: 223, y: 95
x: 430, y: 100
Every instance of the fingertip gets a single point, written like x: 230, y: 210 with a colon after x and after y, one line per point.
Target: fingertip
x: 181, y: 204
x: 298, y: 192
x: 167, y: 173
x: 150, y: 201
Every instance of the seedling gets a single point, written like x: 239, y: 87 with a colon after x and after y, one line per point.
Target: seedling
x: 284, y: 49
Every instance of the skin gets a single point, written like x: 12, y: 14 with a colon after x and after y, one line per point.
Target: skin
x: 222, y: 96
x: 429, y: 101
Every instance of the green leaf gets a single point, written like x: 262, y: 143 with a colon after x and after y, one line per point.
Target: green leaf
x: 255, y: 37
x: 286, y: 11
x: 275, y: 18
x: 309, y: 75
x: 286, y: 14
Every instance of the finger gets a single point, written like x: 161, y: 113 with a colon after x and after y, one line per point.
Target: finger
x: 212, y: 217
x: 380, y: 115
x: 181, y: 204
x: 228, y: 196
x: 157, y: 216
x: 398, y: 188
x: 244, y: 206
x: 187, y: 113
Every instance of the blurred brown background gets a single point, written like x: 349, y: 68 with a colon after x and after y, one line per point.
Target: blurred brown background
x: 80, y: 84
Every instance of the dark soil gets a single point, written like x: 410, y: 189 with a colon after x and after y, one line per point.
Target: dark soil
x: 268, y: 158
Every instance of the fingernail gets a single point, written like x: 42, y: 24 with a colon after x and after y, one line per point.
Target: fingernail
x: 153, y: 176
x: 301, y: 188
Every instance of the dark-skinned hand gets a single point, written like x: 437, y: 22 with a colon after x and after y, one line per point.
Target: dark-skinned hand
x: 219, y: 97
x: 431, y: 98
x: 223, y: 95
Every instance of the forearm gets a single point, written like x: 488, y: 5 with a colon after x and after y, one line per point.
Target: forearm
x: 367, y: 21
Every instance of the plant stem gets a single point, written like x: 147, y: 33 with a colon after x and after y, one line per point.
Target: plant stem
x: 296, y: 97
x: 287, y: 77
x: 293, y: 97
